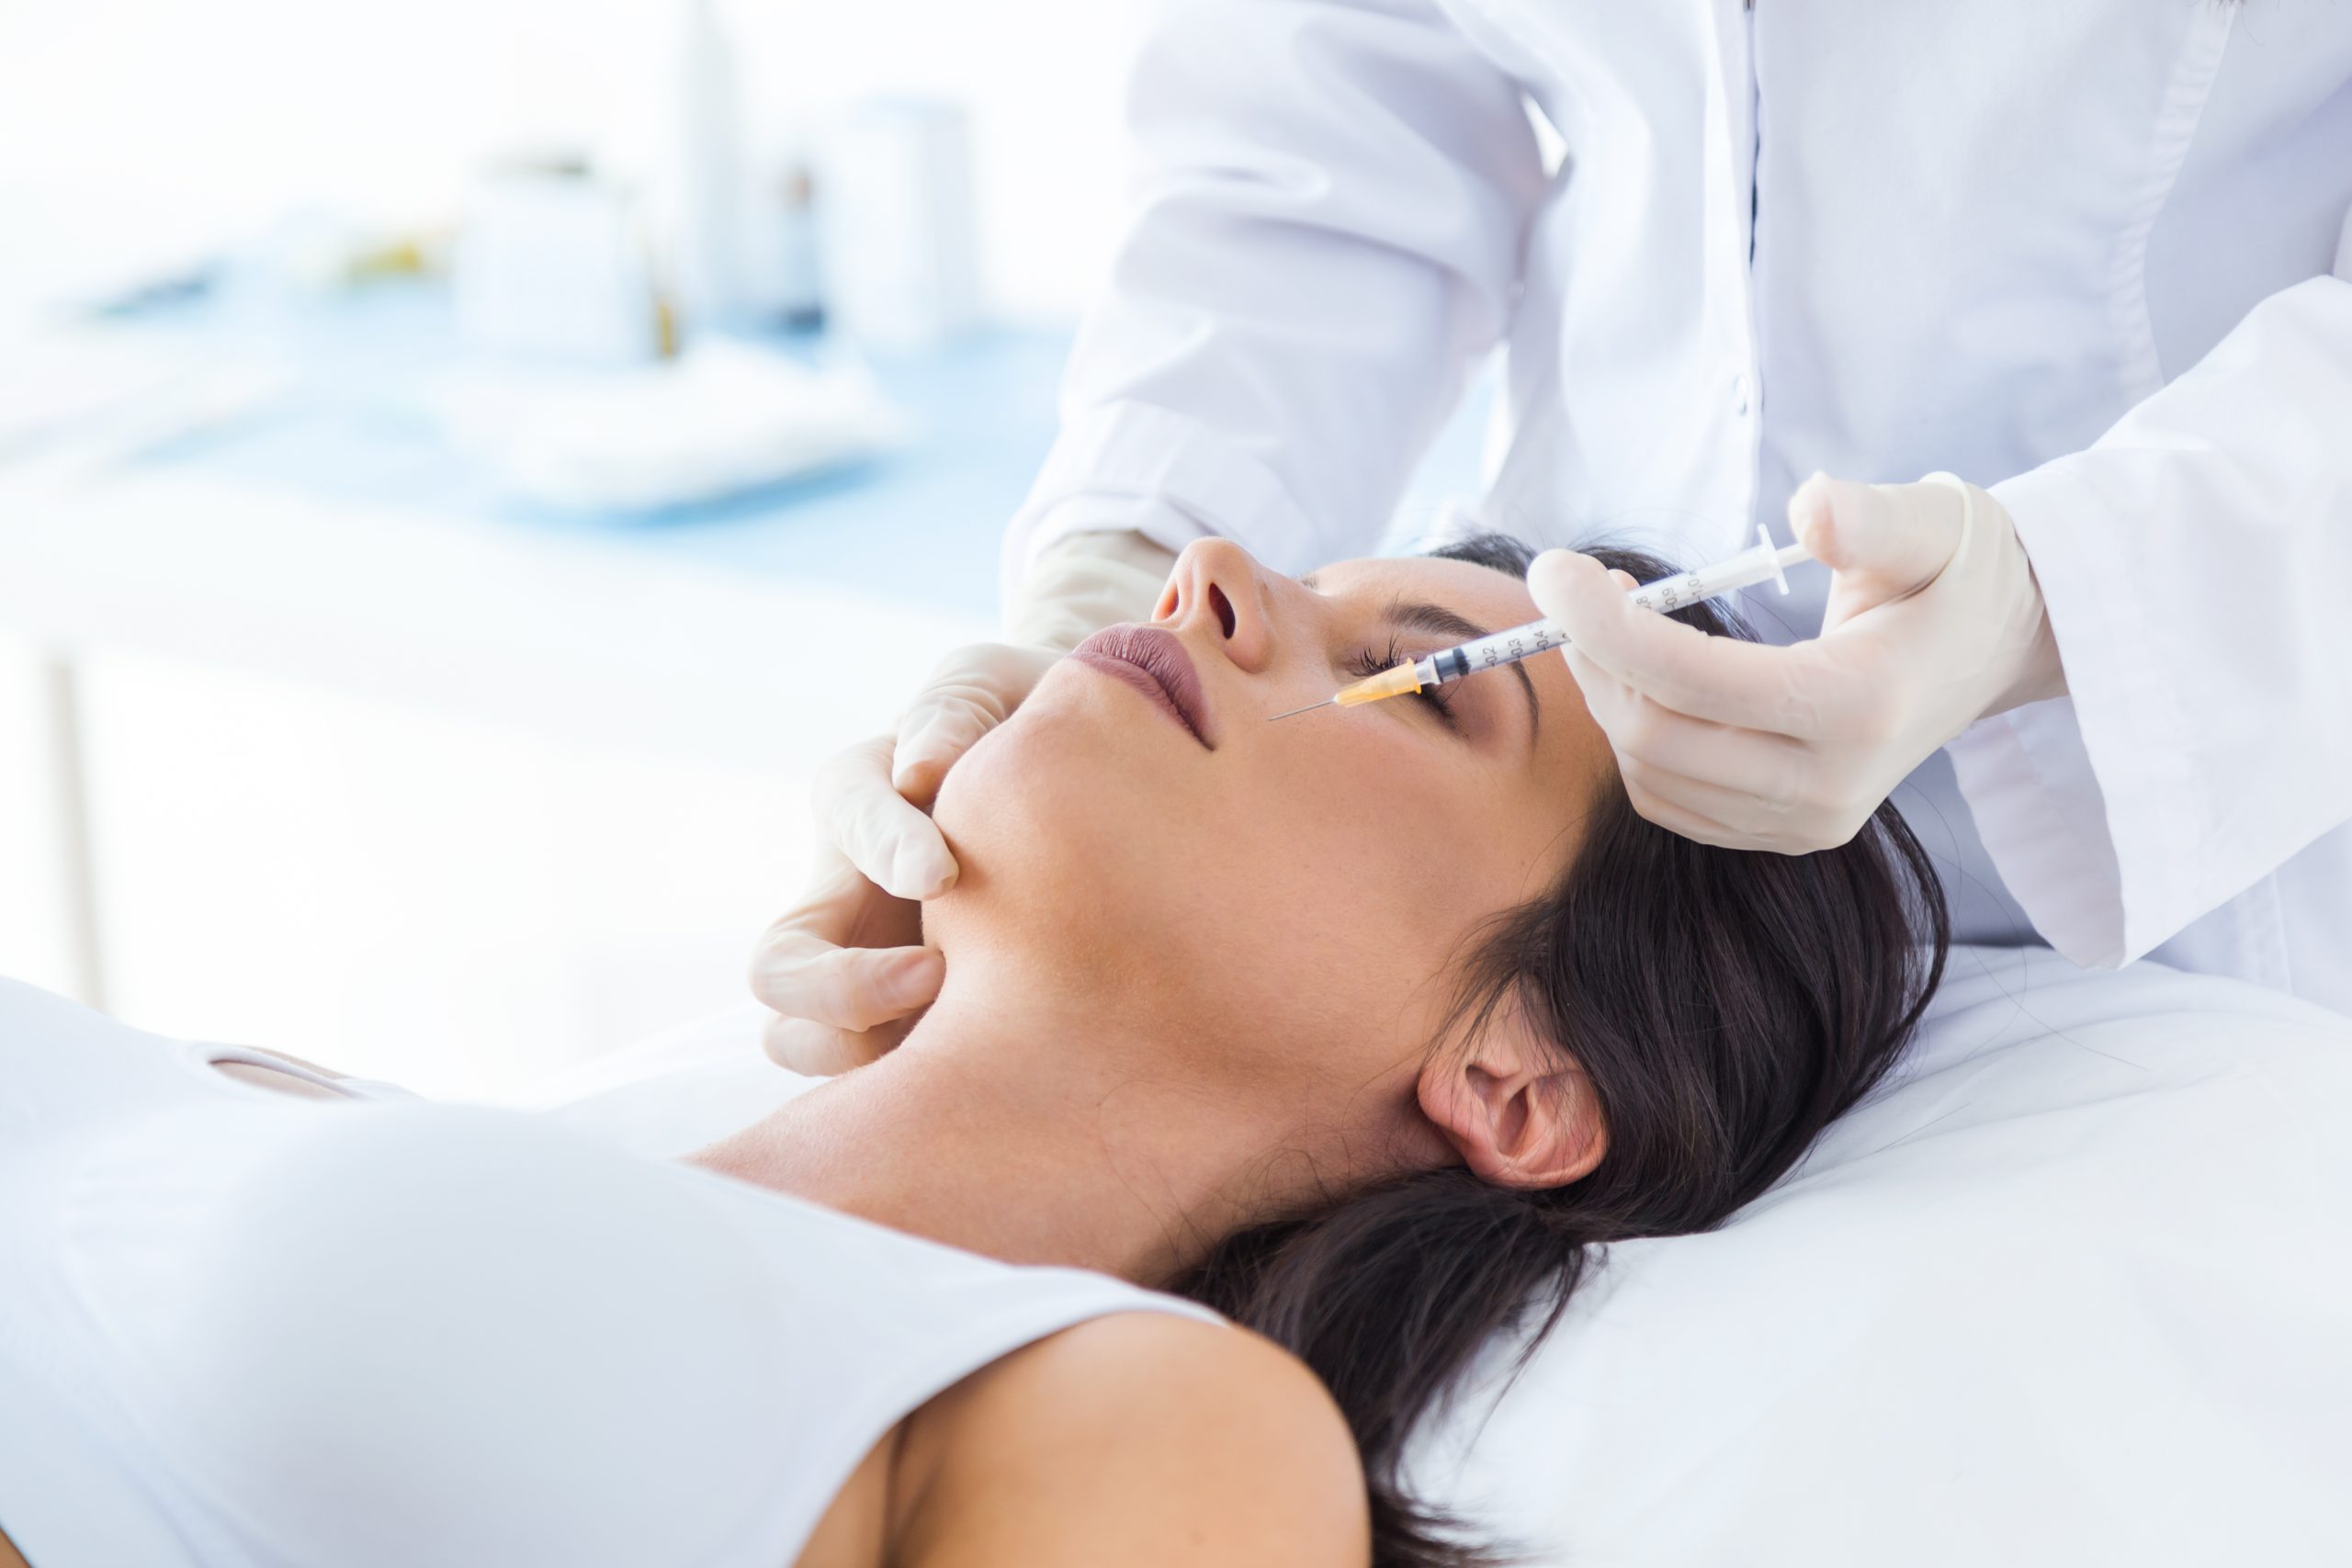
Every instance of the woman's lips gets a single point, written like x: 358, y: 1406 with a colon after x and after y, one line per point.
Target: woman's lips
x: 1154, y: 662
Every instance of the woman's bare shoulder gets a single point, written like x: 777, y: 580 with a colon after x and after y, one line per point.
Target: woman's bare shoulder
x: 1145, y: 1440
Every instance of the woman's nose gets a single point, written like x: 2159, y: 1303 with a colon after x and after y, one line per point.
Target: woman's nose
x: 1218, y: 592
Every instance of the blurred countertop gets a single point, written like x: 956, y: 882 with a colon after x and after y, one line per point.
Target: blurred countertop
x: 322, y: 529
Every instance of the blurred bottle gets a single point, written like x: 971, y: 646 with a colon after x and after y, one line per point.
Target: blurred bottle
x: 551, y: 263
x: 799, y: 273
x: 701, y: 186
x: 898, y: 235
x: 785, y: 280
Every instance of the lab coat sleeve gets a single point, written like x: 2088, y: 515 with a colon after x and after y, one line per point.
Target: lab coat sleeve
x: 1333, y: 200
x: 2194, y: 562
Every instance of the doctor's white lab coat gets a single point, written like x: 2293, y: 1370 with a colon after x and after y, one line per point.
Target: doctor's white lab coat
x: 2093, y: 255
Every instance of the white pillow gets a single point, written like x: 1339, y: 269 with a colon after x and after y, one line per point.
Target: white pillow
x: 2075, y: 1288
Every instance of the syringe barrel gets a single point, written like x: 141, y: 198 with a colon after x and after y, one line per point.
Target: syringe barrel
x: 1489, y: 653
x: 1758, y: 563
x: 1684, y: 589
x: 1666, y: 594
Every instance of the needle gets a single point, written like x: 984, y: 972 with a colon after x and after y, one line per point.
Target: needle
x: 1310, y: 707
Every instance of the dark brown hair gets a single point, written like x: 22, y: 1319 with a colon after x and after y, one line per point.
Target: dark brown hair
x: 1726, y: 1006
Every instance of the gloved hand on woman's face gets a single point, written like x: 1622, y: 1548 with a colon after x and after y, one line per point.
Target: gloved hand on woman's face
x: 845, y: 968
x: 1934, y: 621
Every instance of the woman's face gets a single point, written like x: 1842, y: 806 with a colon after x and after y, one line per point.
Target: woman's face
x: 1292, y: 899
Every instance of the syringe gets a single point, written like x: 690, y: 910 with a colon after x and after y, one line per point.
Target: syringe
x: 1755, y: 564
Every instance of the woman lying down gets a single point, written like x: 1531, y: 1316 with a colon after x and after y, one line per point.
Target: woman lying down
x: 1360, y: 1032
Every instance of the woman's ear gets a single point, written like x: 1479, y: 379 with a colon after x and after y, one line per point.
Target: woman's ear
x: 1517, y: 1112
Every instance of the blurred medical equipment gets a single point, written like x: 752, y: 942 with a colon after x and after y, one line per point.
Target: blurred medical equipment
x: 619, y: 261
x: 1755, y: 564
x: 316, y: 254
x: 139, y: 294
x: 780, y: 245
x: 84, y: 252
x: 725, y: 417
x: 551, y: 263
x: 734, y: 216
x: 898, y: 225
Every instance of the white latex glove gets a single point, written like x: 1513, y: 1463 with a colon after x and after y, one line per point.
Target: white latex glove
x: 1934, y: 621
x: 845, y: 968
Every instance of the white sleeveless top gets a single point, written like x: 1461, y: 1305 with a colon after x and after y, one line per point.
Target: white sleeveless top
x: 244, y: 1329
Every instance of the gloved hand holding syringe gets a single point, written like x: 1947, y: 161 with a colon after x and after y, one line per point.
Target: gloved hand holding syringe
x: 1760, y: 561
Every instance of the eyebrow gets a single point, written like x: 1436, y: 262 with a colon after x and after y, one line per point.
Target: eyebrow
x: 1419, y: 614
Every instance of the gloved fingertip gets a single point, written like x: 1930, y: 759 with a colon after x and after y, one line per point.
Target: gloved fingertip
x: 922, y: 869
x: 1555, y: 579
x: 781, y: 1043
x: 812, y: 1050
x: 909, y: 756
x: 1810, y: 496
x: 1809, y: 510
x: 922, y: 762
x: 1831, y: 521
x: 914, y: 981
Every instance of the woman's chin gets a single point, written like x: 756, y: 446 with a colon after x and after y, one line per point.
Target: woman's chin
x: 1050, y: 811
x: 1054, y: 771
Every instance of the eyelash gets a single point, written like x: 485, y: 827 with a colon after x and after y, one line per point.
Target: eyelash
x: 1370, y: 663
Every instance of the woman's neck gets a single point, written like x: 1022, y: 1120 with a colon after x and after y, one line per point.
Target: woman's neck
x: 995, y: 1129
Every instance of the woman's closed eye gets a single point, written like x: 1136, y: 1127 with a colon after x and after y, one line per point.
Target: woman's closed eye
x: 1368, y: 663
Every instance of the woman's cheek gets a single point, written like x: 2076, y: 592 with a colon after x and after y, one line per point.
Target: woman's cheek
x: 1383, y: 802
x: 1389, y: 771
